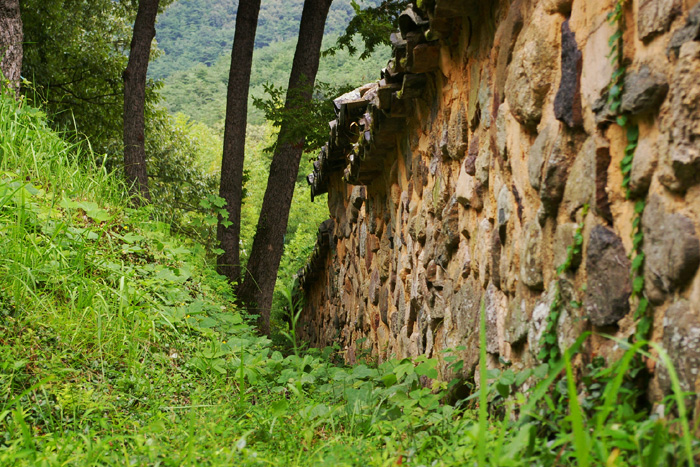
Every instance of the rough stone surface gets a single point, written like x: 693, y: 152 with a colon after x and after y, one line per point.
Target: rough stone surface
x: 538, y: 321
x: 690, y: 32
x: 567, y: 103
x: 457, y: 133
x: 450, y: 224
x: 609, y: 287
x: 571, y: 323
x: 684, y: 151
x: 581, y: 184
x: 374, y: 288
x: 682, y: 343
x: 645, y: 90
x: 531, y: 265
x: 482, y: 165
x: 502, y: 133
x: 556, y: 172
x: 672, y: 250
x: 539, y: 152
x: 505, y: 210
x: 496, y: 249
x: 473, y: 109
x: 655, y: 16
x: 466, y: 189
x: 558, y: 6
x: 563, y: 239
x: 530, y: 76
x: 466, y: 315
x: 596, y: 73
x: 469, y: 164
x: 644, y: 164
x: 484, y: 99
x: 495, y: 307
x: 603, y: 160
x: 483, y: 252
x: 516, y: 322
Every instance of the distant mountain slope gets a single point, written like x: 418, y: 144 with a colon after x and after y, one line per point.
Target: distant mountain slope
x: 191, y: 32
x: 200, y: 92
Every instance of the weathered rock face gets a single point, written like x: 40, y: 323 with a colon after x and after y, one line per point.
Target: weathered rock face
x: 465, y: 173
x: 682, y: 342
x: 682, y: 161
x: 609, y: 285
x: 567, y: 103
x: 655, y: 16
x: 530, y: 74
x: 672, y: 250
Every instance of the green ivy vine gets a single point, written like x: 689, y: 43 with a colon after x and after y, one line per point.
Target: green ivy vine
x: 550, y: 350
x: 642, y: 314
x: 573, y: 250
x: 616, y: 89
x: 617, y: 19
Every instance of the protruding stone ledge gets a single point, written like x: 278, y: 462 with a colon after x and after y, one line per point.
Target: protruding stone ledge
x: 370, y: 117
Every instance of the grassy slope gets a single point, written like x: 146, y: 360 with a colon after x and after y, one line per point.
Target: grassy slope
x: 119, y: 346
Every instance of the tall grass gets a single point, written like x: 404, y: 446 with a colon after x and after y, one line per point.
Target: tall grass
x: 580, y: 436
x: 483, y: 388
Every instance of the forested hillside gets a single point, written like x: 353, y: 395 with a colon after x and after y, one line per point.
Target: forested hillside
x: 200, y: 90
x: 193, y: 32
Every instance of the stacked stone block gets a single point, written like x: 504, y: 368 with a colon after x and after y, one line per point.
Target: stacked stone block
x: 463, y: 174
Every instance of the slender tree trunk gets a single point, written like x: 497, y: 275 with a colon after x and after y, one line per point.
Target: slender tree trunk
x: 135, y: 99
x: 10, y: 44
x: 231, y: 187
x: 261, y: 273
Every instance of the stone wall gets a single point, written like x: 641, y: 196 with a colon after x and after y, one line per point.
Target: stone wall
x: 489, y: 145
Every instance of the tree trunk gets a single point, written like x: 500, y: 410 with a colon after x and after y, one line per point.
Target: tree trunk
x: 135, y: 100
x: 10, y: 44
x: 258, y: 287
x: 231, y: 187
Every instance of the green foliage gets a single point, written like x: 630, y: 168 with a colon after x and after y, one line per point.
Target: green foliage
x: 294, y: 305
x: 550, y: 346
x: 304, y: 119
x: 74, y: 56
x: 183, y: 160
x: 581, y: 441
x: 483, y: 390
x: 626, y: 163
x: 373, y: 24
x: 573, y: 250
x: 616, y: 43
x: 304, y: 216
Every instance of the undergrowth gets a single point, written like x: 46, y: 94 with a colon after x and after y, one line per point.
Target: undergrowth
x: 119, y: 345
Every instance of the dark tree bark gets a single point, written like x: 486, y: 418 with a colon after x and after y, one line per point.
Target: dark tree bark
x: 257, y: 289
x: 10, y: 44
x: 231, y: 187
x: 135, y: 99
